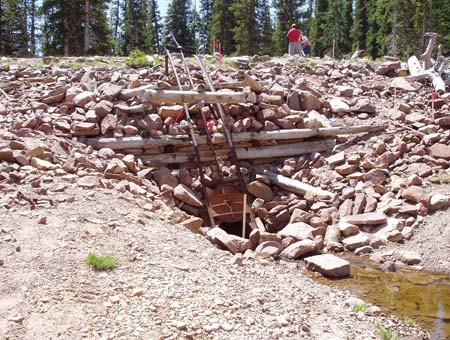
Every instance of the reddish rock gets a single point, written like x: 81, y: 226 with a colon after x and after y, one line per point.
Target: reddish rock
x: 345, y: 208
x: 88, y: 182
x: 375, y: 176
x: 372, y: 218
x: 234, y: 244
x: 356, y: 241
x: 83, y: 98
x: 336, y: 159
x: 359, y: 204
x: 299, y: 249
x: 109, y: 123
x: 164, y: 176
x: 260, y: 190
x: 346, y: 169
x: 6, y: 154
x: 414, y: 193
x: 269, y: 248
x: 440, y: 151
x: 186, y: 195
x: 298, y: 230
x: 328, y: 265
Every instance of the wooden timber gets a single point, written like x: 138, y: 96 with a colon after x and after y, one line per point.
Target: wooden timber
x: 295, y: 186
x: 284, y: 150
x: 219, y: 138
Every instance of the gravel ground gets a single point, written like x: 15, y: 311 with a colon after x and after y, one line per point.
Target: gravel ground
x: 169, y: 283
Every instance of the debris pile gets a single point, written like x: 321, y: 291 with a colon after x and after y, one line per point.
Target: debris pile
x: 125, y: 129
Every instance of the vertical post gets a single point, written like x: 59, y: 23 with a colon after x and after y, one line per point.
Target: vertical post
x: 166, y: 65
x: 244, y: 218
x: 334, y: 48
x: 433, y: 95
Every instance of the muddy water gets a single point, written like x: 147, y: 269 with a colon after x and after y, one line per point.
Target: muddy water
x: 422, y: 296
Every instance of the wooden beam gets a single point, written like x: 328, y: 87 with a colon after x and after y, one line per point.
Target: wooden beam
x: 249, y: 81
x: 160, y: 97
x: 295, y: 186
x: 219, y: 138
x: 284, y: 150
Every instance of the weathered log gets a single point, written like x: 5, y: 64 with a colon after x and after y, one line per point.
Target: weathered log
x: 417, y: 73
x: 218, y: 138
x: 160, y: 85
x: 426, y: 56
x: 295, y: 186
x: 160, y: 97
x: 285, y: 150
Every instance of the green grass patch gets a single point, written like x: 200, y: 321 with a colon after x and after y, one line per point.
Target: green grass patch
x: 385, y: 333
x: 104, y: 262
x: 138, y: 59
x: 410, y: 322
x: 362, y: 307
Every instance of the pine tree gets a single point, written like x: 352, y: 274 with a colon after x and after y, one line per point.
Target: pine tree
x: 332, y: 28
x: 347, y: 25
x: 319, y: 42
x: 205, y: 26
x: 136, y: 32
x: 245, y: 32
x: 178, y: 22
x: 222, y: 24
x: 100, y: 38
x: 14, y: 28
x: 156, y: 28
x: 360, y: 25
x: 265, y: 29
x: 288, y: 12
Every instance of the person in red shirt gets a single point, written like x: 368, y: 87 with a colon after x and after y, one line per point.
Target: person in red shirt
x: 295, y: 36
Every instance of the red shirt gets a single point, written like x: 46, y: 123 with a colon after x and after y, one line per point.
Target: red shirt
x: 294, y: 34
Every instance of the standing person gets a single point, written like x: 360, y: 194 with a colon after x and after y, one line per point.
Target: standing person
x: 306, y: 46
x: 294, y: 35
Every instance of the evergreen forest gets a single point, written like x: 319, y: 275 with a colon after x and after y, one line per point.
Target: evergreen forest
x: 237, y: 27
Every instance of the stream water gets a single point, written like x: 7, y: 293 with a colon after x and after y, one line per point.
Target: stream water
x: 422, y: 296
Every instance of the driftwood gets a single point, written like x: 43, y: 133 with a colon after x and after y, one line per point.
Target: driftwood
x: 295, y: 186
x: 417, y: 73
x: 426, y: 71
x: 219, y: 138
x: 284, y: 150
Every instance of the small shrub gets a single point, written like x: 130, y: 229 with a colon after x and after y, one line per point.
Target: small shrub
x: 386, y: 334
x: 360, y: 308
x: 104, y: 262
x: 138, y: 59
x: 410, y: 322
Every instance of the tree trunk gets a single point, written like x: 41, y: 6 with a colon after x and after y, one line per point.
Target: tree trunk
x: 86, y: 26
x: 66, y: 28
x: 25, y: 46
x: 33, y: 28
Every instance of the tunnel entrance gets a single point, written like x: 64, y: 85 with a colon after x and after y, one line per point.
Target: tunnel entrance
x: 235, y: 228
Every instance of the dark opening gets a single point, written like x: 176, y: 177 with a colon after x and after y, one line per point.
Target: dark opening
x: 236, y: 228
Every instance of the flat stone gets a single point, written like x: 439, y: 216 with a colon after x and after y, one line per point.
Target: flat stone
x: 348, y: 229
x: 42, y: 164
x: 372, y: 218
x: 299, y: 249
x: 328, y: 265
x: 439, y: 150
x: 408, y: 257
x: 88, y: 182
x: 336, y: 159
x: 356, y: 241
x: 269, y: 248
x: 186, y: 195
x: 234, y: 244
x: 339, y: 106
x: 260, y: 190
x: 439, y: 201
x: 194, y: 224
x: 414, y: 193
x: 83, y: 98
x: 6, y: 154
x: 297, y: 230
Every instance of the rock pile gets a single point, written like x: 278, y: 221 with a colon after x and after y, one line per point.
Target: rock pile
x: 379, y: 183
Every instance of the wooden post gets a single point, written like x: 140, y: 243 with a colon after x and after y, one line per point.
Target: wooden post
x: 244, y: 217
x: 334, y: 47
